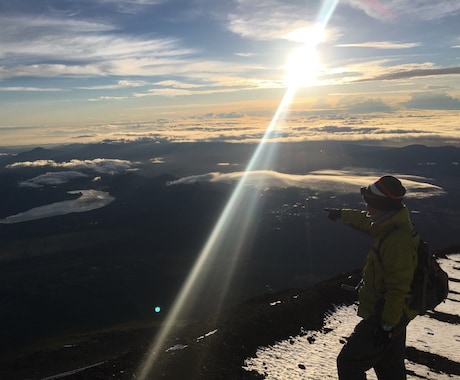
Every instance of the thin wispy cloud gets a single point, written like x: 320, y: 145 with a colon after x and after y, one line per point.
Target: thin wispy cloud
x: 383, y: 45
x: 146, y: 60
x: 107, y: 98
x: 90, y: 55
x: 404, y: 74
x: 323, y: 180
x: 255, y: 21
x: 121, y: 84
x: 98, y: 165
x: 414, y: 9
x: 52, y: 179
x: 30, y: 89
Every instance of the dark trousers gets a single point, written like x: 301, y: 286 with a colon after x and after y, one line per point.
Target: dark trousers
x: 361, y: 354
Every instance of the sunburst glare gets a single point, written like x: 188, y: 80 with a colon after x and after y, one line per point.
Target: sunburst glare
x: 230, y: 233
x: 304, y: 63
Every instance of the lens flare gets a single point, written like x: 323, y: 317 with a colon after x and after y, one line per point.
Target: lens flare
x: 302, y: 67
x: 230, y: 233
x: 223, y: 245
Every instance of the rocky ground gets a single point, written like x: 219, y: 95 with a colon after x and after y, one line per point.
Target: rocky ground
x: 213, y: 349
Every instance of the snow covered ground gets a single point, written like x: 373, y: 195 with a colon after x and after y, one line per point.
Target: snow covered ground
x: 312, y: 354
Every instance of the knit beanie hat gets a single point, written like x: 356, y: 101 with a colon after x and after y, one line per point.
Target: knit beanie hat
x: 385, y: 194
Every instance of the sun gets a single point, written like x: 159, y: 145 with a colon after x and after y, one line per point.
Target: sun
x: 302, y: 67
x: 303, y: 64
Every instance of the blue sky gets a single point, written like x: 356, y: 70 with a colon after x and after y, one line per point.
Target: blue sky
x: 185, y: 70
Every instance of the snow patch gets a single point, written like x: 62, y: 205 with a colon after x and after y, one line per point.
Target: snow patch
x: 177, y: 347
x: 206, y: 335
x: 312, y: 354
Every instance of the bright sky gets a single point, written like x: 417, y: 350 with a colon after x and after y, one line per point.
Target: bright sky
x: 93, y: 69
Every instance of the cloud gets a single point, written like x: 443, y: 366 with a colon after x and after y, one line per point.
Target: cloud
x: 407, y: 9
x: 55, y: 46
x: 131, y: 6
x: 351, y: 104
x: 32, y: 44
x: 275, y: 20
x: 363, y: 131
x: 89, y: 200
x: 323, y: 180
x: 98, y: 165
x: 405, y: 74
x: 157, y: 160
x: 178, y: 84
x: 29, y: 89
x: 91, y: 39
x: 432, y: 101
x: 375, y: 9
x: 121, y: 84
x: 216, y: 84
x: 52, y: 178
x: 107, y: 98
x: 229, y: 115
x: 383, y: 45
x: 333, y: 123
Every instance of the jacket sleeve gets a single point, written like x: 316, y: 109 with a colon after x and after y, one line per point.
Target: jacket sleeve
x: 399, y: 261
x: 356, y: 219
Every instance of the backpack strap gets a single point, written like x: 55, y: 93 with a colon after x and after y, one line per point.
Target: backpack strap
x: 379, y: 245
x: 381, y: 295
x: 414, y: 233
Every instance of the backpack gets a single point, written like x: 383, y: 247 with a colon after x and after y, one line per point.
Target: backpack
x: 430, y: 285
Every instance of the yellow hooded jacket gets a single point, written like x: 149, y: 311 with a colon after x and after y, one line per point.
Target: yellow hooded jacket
x: 386, y: 283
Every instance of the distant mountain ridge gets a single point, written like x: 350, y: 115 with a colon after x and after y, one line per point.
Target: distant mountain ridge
x: 186, y: 158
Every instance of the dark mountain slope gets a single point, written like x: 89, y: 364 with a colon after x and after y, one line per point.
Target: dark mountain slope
x: 212, y: 349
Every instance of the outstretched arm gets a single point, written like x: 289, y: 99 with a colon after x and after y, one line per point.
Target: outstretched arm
x: 356, y: 219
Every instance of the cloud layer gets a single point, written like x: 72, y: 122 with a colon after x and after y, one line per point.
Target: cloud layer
x: 340, y: 181
x: 98, y: 165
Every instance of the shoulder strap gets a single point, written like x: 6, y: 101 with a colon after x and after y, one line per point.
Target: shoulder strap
x: 382, y: 239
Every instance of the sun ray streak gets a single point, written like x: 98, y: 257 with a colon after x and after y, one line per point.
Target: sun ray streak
x: 234, y: 220
x: 228, y: 220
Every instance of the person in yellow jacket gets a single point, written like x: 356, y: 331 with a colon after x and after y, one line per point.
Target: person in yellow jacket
x: 379, y: 340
